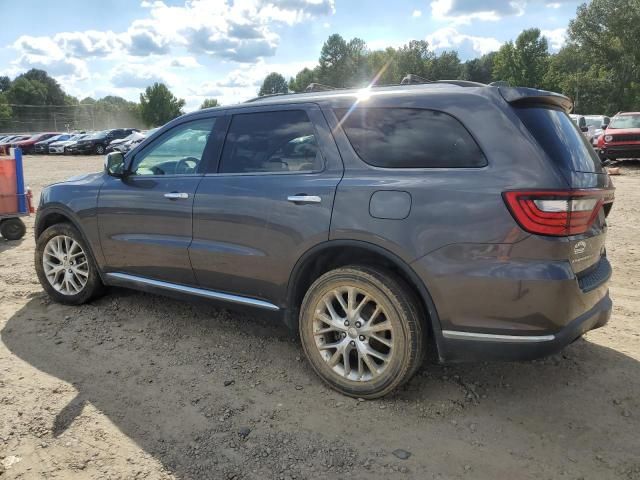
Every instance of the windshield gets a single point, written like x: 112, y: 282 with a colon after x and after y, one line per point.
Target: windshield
x: 625, y: 121
x: 594, y: 121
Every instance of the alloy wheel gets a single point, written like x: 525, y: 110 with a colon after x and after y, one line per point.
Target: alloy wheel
x: 66, y: 265
x: 353, y: 333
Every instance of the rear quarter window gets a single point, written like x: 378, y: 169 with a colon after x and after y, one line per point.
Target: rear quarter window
x: 410, y: 138
x: 560, y: 138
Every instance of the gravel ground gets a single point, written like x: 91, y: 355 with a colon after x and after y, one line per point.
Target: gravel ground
x: 141, y: 386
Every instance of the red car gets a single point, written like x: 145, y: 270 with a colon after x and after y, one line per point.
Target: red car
x: 621, y: 139
x: 27, y: 145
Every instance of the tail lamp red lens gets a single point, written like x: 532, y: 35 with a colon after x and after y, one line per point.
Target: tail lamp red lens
x: 557, y: 213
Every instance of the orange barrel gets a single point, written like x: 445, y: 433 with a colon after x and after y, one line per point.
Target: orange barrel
x: 8, y: 186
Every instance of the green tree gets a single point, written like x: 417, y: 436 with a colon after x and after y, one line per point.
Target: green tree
x: 334, y: 65
x: 523, y: 63
x: 5, y: 110
x: 445, y: 66
x: 414, y: 57
x: 158, y: 105
x: 479, y: 69
x: 606, y: 34
x: 5, y: 83
x: 209, y: 103
x: 273, y: 83
x: 27, y: 92
x: 303, y: 78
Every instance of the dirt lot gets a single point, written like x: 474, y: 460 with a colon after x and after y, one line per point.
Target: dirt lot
x: 140, y: 386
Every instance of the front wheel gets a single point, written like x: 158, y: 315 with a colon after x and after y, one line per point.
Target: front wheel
x: 362, y: 331
x: 99, y: 149
x: 65, y: 267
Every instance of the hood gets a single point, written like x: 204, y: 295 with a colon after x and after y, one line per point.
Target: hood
x: 619, y: 131
x: 82, y: 178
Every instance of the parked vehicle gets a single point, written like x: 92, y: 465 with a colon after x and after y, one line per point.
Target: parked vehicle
x: 124, y: 144
x: 621, y: 139
x: 596, y: 125
x: 7, y: 142
x: 378, y: 223
x: 97, y: 142
x: 28, y: 145
x: 43, y: 146
x: 61, y: 146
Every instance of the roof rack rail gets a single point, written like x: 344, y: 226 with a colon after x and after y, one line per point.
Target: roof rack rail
x: 255, y: 99
x: 319, y: 87
x: 499, y: 83
x: 412, y: 78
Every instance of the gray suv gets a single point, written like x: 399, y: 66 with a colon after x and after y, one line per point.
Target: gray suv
x: 455, y: 217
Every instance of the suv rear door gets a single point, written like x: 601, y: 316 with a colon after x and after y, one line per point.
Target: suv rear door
x: 145, y: 218
x: 267, y: 201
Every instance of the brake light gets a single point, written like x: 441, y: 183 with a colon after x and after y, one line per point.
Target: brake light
x: 557, y: 213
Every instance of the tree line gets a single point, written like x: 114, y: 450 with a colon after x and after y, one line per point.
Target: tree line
x: 598, y: 67
x: 34, y: 101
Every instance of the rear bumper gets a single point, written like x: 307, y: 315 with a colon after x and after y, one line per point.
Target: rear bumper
x: 458, y: 346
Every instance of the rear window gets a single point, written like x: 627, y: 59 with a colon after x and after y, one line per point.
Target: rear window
x: 410, y: 138
x: 560, y: 138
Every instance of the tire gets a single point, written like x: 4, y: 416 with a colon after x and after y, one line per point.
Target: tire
x: 12, y: 229
x: 398, y: 340
x: 92, y: 286
x: 99, y: 149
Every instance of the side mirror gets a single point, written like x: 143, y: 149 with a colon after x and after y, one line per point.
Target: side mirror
x: 584, y: 129
x: 114, y: 164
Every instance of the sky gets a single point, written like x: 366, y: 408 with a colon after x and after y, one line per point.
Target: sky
x: 224, y: 48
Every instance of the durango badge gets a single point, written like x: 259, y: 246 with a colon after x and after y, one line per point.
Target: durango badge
x: 580, y: 247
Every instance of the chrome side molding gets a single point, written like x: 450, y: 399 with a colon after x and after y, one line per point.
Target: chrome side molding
x: 198, y: 292
x: 490, y: 337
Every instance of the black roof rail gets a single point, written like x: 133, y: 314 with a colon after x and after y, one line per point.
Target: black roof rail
x: 412, y: 78
x: 499, y: 83
x: 319, y: 87
x: 461, y: 83
x: 255, y: 99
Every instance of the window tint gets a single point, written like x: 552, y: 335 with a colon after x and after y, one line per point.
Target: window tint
x: 177, y: 152
x: 282, y: 141
x: 410, y: 138
x: 560, y: 138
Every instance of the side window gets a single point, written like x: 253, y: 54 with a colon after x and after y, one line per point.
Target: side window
x: 177, y: 152
x: 410, y: 138
x: 283, y: 141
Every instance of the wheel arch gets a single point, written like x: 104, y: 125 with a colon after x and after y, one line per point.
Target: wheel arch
x: 336, y: 253
x: 55, y: 214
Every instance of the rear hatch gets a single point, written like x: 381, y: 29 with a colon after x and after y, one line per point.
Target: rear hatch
x: 575, y: 215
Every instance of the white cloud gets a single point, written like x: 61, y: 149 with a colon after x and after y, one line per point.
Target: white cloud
x: 554, y: 5
x: 467, y: 45
x: 240, y: 30
x: 184, y: 62
x: 416, y: 13
x: 557, y: 37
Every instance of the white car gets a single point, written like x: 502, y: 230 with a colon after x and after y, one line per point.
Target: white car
x: 58, y: 147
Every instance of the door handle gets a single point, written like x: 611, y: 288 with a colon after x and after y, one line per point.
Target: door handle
x: 300, y: 199
x: 176, y: 196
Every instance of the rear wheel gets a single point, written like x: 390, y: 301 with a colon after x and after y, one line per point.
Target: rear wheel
x: 65, y: 267
x: 361, y: 330
x: 12, y: 229
x: 99, y: 149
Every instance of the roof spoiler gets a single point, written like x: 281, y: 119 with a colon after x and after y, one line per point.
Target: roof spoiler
x: 533, y: 96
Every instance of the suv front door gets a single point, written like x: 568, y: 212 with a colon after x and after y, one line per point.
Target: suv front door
x: 145, y: 218
x: 269, y: 200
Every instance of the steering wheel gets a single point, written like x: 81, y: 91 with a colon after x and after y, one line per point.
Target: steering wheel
x: 187, y: 165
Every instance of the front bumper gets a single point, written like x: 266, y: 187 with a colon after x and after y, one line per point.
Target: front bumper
x: 84, y: 148
x: 464, y: 346
x: 620, y: 151
x: 56, y: 150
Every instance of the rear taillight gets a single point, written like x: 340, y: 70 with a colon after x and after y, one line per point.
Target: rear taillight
x: 557, y: 213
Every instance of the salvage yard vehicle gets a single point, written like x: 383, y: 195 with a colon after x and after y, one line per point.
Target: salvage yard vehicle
x: 60, y: 146
x: 378, y: 223
x: 621, y: 139
x: 98, y: 141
